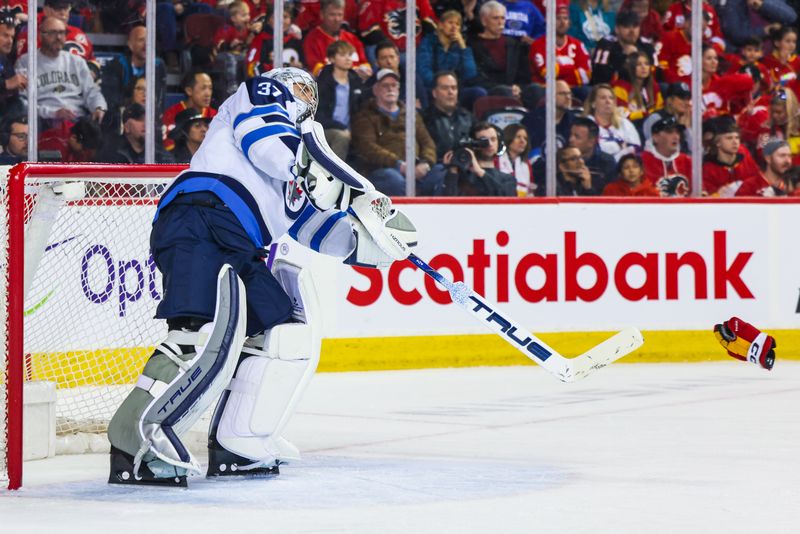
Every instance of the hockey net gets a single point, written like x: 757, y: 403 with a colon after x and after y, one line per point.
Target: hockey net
x: 80, y: 291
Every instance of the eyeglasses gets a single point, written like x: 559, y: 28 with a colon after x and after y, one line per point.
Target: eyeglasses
x: 21, y: 136
x: 51, y: 33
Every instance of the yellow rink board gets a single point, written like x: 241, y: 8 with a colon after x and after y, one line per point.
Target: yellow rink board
x: 416, y: 352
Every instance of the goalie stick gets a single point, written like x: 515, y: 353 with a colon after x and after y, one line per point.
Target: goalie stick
x: 565, y: 369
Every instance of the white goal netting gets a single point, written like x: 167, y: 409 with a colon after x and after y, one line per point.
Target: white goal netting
x: 90, y: 287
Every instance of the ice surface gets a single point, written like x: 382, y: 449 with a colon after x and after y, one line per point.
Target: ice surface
x: 668, y: 448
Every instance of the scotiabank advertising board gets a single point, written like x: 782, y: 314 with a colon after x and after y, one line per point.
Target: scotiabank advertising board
x: 554, y: 267
x: 581, y: 267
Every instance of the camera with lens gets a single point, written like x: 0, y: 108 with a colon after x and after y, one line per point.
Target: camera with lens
x: 461, y: 157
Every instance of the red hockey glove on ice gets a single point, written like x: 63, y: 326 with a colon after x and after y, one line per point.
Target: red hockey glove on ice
x: 745, y: 342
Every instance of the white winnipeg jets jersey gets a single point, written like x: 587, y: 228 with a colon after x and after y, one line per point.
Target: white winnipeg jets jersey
x: 247, y: 160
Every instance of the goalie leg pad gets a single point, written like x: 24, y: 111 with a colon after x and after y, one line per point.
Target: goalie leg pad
x: 186, y: 373
x: 272, y: 375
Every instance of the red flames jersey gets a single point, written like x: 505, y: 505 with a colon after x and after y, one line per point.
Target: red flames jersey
x: 675, y: 18
x: 780, y: 72
x: 716, y: 174
x: 389, y: 17
x: 671, y: 179
x: 308, y: 14
x: 573, y: 63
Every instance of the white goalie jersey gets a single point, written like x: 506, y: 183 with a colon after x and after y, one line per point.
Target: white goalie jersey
x: 248, y: 159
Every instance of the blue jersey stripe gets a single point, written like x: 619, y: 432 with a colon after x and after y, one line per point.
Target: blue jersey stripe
x: 261, y: 110
x: 232, y: 193
x: 267, y: 131
x: 294, y: 230
x: 323, y: 231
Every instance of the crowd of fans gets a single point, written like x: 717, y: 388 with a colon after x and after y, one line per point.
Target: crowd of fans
x: 622, y: 103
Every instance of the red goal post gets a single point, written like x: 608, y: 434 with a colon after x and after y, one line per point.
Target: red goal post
x: 78, y: 276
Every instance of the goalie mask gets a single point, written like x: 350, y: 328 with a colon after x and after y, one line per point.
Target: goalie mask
x: 303, y: 87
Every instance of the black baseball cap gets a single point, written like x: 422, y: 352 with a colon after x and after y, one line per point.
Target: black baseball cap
x: 679, y: 89
x: 184, y: 119
x: 667, y: 123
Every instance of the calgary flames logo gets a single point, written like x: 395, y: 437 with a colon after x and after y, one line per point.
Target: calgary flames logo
x: 396, y: 23
x: 675, y: 185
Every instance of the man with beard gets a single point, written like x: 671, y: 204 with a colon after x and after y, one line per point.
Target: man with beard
x: 772, y: 181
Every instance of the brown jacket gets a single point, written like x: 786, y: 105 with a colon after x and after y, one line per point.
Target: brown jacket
x: 380, y: 142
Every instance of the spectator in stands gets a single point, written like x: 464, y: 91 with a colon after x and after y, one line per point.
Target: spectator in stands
x: 12, y: 81
x: 675, y: 55
x: 631, y: 181
x: 67, y: 90
x: 79, y: 143
x: 590, y: 21
x: 678, y: 104
x: 387, y: 56
x: 573, y: 178
x: 121, y: 75
x: 340, y: 90
x: 728, y: 164
x: 502, y: 61
x: 14, y: 140
x: 572, y: 59
x: 198, y: 88
x: 259, y: 56
x: 523, y: 20
x: 650, y: 26
x: 772, y: 181
x: 535, y: 120
x: 129, y: 147
x: 618, y: 136
x: 720, y: 90
x: 75, y: 40
x: 231, y: 41
x: 379, y: 139
x: 446, y: 50
x: 585, y: 136
x: 188, y: 134
x: 637, y: 92
x: 744, y: 19
x: 514, y: 160
x: 446, y: 121
x: 478, y: 174
x: 382, y: 20
x: 776, y: 116
x: 309, y: 15
x: 608, y: 59
x: 679, y: 15
x: 665, y: 165
x: 748, y: 59
x: 783, y: 63
x: 317, y: 41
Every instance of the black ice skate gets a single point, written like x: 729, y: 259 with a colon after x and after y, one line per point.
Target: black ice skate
x: 224, y: 463
x: 122, y: 473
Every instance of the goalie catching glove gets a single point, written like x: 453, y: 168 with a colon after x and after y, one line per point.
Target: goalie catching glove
x: 745, y: 342
x: 383, y: 234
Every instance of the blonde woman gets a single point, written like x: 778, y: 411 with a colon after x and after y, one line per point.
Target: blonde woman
x: 618, y: 136
x: 776, y: 116
x: 446, y: 50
